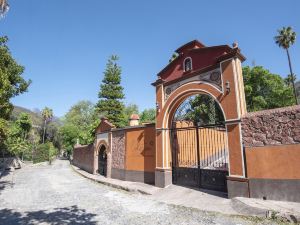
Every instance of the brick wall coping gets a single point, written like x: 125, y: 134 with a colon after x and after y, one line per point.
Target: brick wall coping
x: 129, y: 128
x: 272, y: 111
x: 82, y: 146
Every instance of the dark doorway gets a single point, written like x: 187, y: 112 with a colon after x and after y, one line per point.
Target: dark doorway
x: 102, y: 161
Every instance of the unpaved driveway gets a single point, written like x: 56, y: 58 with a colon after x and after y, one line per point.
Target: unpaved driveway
x: 43, y: 194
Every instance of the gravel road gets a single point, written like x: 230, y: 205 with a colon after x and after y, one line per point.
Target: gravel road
x: 44, y: 194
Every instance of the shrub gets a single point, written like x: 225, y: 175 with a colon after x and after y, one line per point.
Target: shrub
x: 44, y: 152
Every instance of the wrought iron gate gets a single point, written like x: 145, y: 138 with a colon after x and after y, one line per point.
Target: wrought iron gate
x: 199, y: 156
x: 102, y: 161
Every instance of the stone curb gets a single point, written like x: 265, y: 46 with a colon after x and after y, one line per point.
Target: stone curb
x: 246, y: 209
x: 117, y: 186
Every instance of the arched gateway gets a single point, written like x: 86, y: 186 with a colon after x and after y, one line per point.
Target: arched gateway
x: 199, y: 107
x: 102, y: 161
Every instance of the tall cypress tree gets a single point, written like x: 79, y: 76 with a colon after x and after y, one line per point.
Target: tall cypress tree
x: 111, y: 93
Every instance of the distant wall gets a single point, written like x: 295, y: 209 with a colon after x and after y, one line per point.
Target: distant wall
x: 83, y: 157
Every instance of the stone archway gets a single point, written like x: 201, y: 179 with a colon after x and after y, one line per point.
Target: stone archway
x: 222, y: 80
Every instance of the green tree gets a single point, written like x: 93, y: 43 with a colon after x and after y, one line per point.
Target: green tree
x: 47, y: 114
x: 4, y: 7
x: 148, y: 116
x: 111, y: 93
x: 3, y: 135
x: 285, y: 38
x: 128, y: 111
x: 297, y: 84
x: 25, y: 124
x: 44, y: 152
x: 11, y: 81
x: 204, y: 110
x: 265, y: 90
x: 17, y: 142
x: 69, y: 134
x: 80, y: 123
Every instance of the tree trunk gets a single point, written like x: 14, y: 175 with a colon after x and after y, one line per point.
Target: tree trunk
x: 292, y: 75
x: 44, y: 133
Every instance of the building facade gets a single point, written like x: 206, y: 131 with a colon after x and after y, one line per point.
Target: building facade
x: 203, y: 136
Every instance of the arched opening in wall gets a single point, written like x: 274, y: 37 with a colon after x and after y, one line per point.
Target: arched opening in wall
x: 199, y: 144
x: 102, y: 161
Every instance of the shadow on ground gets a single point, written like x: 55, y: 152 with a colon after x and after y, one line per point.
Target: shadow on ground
x: 67, y: 215
x: 4, y: 185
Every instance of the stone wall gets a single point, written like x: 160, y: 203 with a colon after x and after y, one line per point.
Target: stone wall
x: 118, y: 149
x: 83, y: 157
x: 272, y: 127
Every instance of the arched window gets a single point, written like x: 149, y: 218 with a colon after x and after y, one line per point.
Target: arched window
x: 187, y: 64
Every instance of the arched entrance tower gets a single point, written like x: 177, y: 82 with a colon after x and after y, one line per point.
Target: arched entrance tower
x: 199, y: 70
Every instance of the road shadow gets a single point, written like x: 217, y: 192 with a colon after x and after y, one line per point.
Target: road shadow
x: 3, y: 185
x: 67, y: 215
x: 4, y: 173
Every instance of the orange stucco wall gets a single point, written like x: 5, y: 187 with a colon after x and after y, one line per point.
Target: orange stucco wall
x: 140, y: 149
x: 274, y: 162
x: 235, y: 150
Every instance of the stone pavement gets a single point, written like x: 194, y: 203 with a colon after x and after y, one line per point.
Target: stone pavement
x: 120, y: 184
x: 56, y: 195
x: 205, y: 200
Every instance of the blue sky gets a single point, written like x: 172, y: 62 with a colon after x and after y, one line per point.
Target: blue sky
x: 64, y: 44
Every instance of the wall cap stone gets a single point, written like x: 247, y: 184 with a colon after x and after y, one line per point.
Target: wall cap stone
x: 272, y: 111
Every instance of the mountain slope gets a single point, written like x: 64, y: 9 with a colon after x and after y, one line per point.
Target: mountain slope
x: 35, y: 117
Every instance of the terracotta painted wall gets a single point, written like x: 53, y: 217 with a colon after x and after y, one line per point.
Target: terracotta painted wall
x: 274, y: 162
x: 83, y: 157
x: 140, y: 149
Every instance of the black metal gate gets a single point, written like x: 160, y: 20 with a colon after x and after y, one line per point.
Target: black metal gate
x: 199, y: 156
x: 102, y: 161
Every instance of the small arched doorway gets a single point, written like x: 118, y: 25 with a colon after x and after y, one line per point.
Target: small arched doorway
x: 198, y: 141
x: 102, y: 161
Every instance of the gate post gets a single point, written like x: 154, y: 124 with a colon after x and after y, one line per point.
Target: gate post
x: 237, y: 183
x: 163, y: 172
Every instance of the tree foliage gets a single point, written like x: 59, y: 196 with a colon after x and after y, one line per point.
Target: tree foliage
x: 128, y: 111
x: 11, y: 81
x: 265, y: 90
x: 111, y: 93
x: 17, y: 141
x: 47, y: 114
x: 148, y: 115
x: 44, y: 152
x: 79, y: 123
x: 286, y: 37
x: 200, y: 109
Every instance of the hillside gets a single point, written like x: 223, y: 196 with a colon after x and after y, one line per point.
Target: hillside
x: 35, y: 117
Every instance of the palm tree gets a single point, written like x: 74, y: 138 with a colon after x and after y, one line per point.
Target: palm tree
x: 285, y: 38
x: 4, y: 7
x: 47, y: 114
